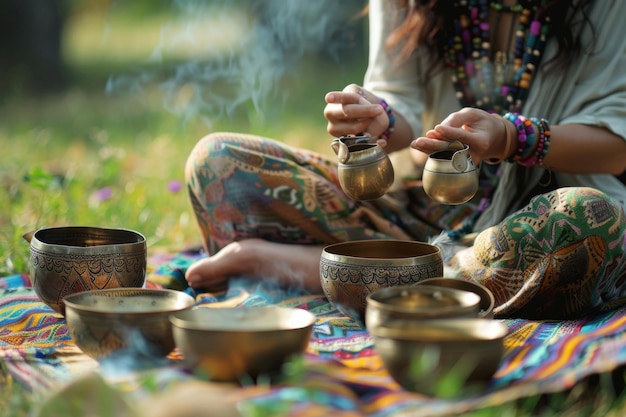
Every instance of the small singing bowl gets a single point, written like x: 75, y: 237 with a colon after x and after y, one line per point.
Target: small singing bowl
x: 368, y: 173
x: 444, y: 357
x: 67, y: 260
x: 487, y: 300
x: 418, y: 302
x: 234, y: 344
x: 133, y: 320
x: 444, y: 183
x: 351, y: 271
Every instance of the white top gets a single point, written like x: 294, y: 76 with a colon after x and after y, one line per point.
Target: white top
x: 593, y: 92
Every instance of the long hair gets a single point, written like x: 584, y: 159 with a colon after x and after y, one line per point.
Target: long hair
x: 426, y: 19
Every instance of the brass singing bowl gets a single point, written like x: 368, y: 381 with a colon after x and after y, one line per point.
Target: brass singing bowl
x: 232, y: 344
x: 367, y: 174
x: 102, y: 322
x: 487, y: 300
x: 445, y: 184
x: 351, y: 271
x: 426, y: 356
x: 419, y: 302
x: 67, y: 260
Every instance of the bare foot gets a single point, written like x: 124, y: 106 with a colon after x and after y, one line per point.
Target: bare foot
x: 289, y: 264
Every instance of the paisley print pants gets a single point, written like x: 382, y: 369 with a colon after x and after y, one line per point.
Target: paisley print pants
x: 562, y: 256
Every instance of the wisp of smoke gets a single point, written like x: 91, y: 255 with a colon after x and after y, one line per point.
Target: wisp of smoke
x: 266, y: 40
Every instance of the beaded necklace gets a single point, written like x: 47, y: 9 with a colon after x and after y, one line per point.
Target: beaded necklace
x: 495, y: 81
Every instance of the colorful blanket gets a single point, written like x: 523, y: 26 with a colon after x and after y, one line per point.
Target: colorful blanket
x: 341, y: 372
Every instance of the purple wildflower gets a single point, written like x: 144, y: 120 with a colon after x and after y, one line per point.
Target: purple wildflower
x: 174, y: 186
x: 103, y: 194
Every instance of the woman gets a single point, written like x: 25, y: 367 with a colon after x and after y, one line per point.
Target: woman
x: 537, y: 91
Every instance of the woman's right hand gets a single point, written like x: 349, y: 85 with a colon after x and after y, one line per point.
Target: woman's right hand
x: 354, y: 111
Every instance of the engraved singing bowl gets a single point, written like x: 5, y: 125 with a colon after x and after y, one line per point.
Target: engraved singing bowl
x: 351, y: 271
x: 419, y: 302
x: 133, y: 320
x: 424, y: 356
x: 234, y: 344
x: 450, y: 176
x: 487, y: 300
x: 365, y: 171
x: 66, y: 260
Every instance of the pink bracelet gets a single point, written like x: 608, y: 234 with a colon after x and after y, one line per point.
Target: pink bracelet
x: 392, y: 119
x: 544, y: 139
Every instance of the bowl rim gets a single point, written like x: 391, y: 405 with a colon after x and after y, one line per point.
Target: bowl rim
x: 373, y: 300
x: 490, y: 300
x: 468, y: 330
x: 68, y: 302
x: 308, y: 319
x: 135, y: 239
x: 329, y: 250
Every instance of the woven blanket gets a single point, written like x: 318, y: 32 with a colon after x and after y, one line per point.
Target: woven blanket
x: 341, y: 372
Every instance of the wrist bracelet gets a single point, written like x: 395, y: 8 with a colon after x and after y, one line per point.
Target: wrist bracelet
x: 525, y: 136
x: 544, y: 139
x: 392, y: 119
x: 509, y: 144
x: 532, y: 147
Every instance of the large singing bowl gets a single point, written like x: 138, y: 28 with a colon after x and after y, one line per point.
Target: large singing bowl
x: 443, y: 357
x: 136, y: 320
x: 419, y: 302
x: 351, y: 271
x: 67, y: 260
x: 233, y: 344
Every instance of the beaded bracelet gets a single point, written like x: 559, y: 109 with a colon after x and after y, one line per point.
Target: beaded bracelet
x: 392, y: 119
x: 543, y: 126
x: 533, y: 159
x: 525, y: 136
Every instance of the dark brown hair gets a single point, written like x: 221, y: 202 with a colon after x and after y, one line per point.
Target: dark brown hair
x: 426, y: 19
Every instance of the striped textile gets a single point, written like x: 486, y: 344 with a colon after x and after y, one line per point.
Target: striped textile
x: 342, y: 373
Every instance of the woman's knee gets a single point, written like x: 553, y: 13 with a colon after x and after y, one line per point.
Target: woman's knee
x: 210, y: 146
x: 589, y: 208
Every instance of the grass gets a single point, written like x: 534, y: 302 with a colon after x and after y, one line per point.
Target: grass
x: 91, y: 156
x: 88, y: 156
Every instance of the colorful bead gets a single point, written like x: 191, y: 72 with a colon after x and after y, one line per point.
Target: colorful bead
x: 392, y: 119
x: 469, y: 39
x: 545, y: 134
x: 531, y: 147
x: 526, y: 139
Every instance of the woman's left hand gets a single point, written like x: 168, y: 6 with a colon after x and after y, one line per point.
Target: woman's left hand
x: 484, y: 133
x: 354, y: 111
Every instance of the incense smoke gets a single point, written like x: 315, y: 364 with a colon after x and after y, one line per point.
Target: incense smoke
x: 244, y: 49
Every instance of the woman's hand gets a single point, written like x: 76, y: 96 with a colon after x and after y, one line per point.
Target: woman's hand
x: 486, y: 135
x: 354, y: 111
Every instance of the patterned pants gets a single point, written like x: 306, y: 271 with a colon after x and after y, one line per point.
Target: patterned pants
x: 562, y: 256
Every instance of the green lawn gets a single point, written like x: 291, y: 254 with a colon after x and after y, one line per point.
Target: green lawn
x: 114, y: 158
x: 96, y: 156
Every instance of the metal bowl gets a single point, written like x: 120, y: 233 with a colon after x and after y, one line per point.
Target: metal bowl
x: 487, y: 300
x: 350, y: 271
x: 418, y: 302
x: 444, y: 358
x: 450, y: 176
x: 67, y: 260
x: 102, y: 322
x: 230, y: 344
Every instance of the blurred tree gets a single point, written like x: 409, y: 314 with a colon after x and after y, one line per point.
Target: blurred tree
x: 30, y: 46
